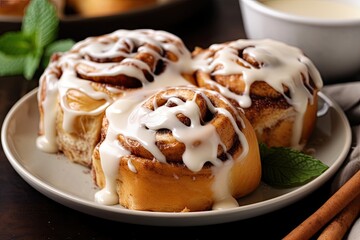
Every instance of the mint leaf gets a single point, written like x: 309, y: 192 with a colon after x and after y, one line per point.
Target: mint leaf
x: 15, y: 43
x: 11, y: 65
x: 32, y: 63
x: 22, y: 52
x: 57, y: 46
x: 286, y: 167
x: 41, y: 22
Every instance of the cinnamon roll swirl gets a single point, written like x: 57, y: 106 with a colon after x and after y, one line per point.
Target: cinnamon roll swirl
x: 78, y: 86
x: 275, y: 84
x: 181, y: 149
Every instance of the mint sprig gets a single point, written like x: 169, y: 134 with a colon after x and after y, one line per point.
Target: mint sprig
x: 25, y: 52
x: 40, y: 22
x: 286, y: 167
x: 15, y: 43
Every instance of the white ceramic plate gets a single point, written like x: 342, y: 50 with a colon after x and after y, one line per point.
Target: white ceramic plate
x: 71, y: 184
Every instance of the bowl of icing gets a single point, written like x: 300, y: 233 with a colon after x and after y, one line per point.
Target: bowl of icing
x: 327, y: 31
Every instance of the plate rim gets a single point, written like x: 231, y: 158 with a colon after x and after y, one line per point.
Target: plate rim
x: 164, y: 218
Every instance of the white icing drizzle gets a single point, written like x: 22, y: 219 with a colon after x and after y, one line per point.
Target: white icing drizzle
x: 222, y: 195
x: 47, y: 141
x: 280, y: 65
x: 123, y: 44
x: 131, y: 166
x: 110, y: 46
x: 111, y: 150
x: 107, y: 46
x: 128, y: 117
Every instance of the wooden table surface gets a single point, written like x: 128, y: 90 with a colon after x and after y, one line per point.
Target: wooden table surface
x: 27, y: 214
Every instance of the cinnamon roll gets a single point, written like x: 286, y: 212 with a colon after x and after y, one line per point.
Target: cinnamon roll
x: 71, y: 111
x: 79, y: 85
x: 275, y: 84
x: 17, y: 8
x: 13, y: 7
x: 96, y: 8
x: 180, y: 149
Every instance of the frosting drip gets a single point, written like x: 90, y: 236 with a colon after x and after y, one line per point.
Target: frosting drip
x: 130, y: 117
x: 283, y: 67
x: 98, y: 57
x: 104, y: 68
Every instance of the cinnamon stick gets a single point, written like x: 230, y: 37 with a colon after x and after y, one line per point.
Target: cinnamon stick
x: 336, y: 203
x: 342, y: 222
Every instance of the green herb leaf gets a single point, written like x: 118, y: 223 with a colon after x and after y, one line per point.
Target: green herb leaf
x: 41, y: 22
x: 32, y: 63
x: 11, y: 65
x: 15, y: 43
x: 57, y: 46
x: 22, y: 52
x: 286, y: 167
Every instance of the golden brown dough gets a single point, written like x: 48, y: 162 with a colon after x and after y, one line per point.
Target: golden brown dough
x: 167, y: 130
x: 78, y: 145
x: 171, y: 186
x: 271, y: 81
x: 78, y: 86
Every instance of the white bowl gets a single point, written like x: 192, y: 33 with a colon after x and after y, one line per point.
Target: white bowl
x: 333, y: 45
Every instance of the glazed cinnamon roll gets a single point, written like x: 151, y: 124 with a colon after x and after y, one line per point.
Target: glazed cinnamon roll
x: 71, y: 111
x: 181, y: 149
x: 17, y: 8
x: 96, y: 8
x: 133, y: 58
x: 275, y: 84
x: 13, y: 7
x: 79, y: 85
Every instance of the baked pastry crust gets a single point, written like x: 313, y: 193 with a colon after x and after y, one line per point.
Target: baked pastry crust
x: 164, y: 130
x: 274, y: 83
x: 147, y: 183
x: 80, y: 84
x: 78, y: 144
